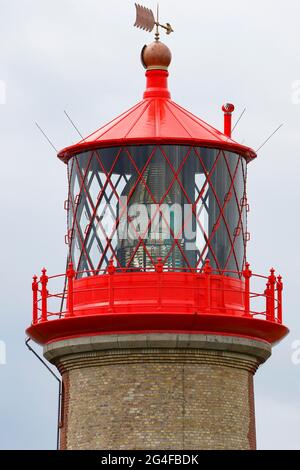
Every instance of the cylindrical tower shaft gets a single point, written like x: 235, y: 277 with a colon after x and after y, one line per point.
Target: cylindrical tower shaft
x: 158, y: 391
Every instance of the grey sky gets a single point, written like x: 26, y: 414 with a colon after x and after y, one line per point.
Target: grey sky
x: 83, y: 56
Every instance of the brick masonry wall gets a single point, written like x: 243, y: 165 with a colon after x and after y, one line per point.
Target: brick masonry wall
x: 158, y: 399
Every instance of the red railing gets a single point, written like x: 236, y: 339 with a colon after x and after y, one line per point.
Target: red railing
x: 264, y: 302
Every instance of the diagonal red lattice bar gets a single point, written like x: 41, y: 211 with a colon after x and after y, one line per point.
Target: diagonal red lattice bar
x: 194, y: 211
x: 91, y: 208
x: 95, y: 217
x: 221, y: 208
x: 75, y: 221
x: 158, y: 209
x: 75, y: 206
x: 193, y: 205
x: 102, y: 192
x: 223, y: 217
x: 108, y: 199
x: 85, y: 189
x: 99, y: 199
x: 124, y: 208
x: 240, y: 216
x: 141, y: 238
x: 240, y: 219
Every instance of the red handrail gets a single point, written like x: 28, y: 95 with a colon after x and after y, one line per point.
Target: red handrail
x: 272, y: 292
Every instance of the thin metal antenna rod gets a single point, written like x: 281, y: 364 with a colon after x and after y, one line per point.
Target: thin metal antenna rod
x: 75, y: 127
x: 267, y: 140
x: 157, y: 24
x: 46, y: 137
x: 241, y: 115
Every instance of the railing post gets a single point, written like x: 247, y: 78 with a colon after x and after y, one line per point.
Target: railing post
x: 272, y: 282
x: 35, y: 289
x: 247, y: 273
x: 111, y: 270
x: 279, y: 299
x: 159, y: 267
x: 267, y: 296
x: 207, y: 274
x: 44, y: 283
x: 70, y: 276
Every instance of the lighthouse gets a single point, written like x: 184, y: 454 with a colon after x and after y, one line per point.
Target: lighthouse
x: 160, y: 323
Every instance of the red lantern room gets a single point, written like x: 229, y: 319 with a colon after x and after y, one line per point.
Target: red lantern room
x: 157, y: 229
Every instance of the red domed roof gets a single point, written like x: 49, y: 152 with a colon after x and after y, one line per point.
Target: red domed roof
x: 157, y: 119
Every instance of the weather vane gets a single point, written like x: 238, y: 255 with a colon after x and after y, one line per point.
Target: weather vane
x: 145, y: 20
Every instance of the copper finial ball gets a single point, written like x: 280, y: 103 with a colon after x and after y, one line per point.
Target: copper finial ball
x: 156, y: 56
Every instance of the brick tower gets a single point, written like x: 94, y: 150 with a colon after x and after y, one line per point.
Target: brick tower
x: 162, y: 324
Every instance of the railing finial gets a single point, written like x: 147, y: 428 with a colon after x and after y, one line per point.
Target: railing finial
x: 159, y: 267
x: 111, y: 268
x: 207, y: 266
x: 247, y: 273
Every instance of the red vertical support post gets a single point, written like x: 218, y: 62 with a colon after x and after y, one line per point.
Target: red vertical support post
x: 35, y: 289
x: 44, y: 283
x: 247, y: 273
x: 272, y: 282
x: 111, y: 270
x: 267, y: 295
x: 279, y: 299
x: 207, y: 274
x: 159, y: 269
x: 70, y: 276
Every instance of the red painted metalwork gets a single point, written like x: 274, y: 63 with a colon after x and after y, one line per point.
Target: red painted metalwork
x: 279, y: 287
x: 228, y: 110
x: 247, y: 273
x: 111, y: 296
x: 35, y: 288
x: 157, y: 119
x: 44, y: 291
x: 70, y: 276
x: 85, y: 176
x: 92, y: 325
x: 125, y: 301
x: 272, y: 283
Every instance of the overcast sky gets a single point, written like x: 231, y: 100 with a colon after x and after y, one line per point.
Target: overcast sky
x: 83, y: 56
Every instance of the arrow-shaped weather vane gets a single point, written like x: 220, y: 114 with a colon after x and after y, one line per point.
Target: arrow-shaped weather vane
x: 145, y: 20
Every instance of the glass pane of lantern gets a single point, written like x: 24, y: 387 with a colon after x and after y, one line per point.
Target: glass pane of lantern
x: 141, y: 203
x: 235, y: 212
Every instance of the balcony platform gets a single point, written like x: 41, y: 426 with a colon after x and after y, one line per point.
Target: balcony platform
x: 122, y: 302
